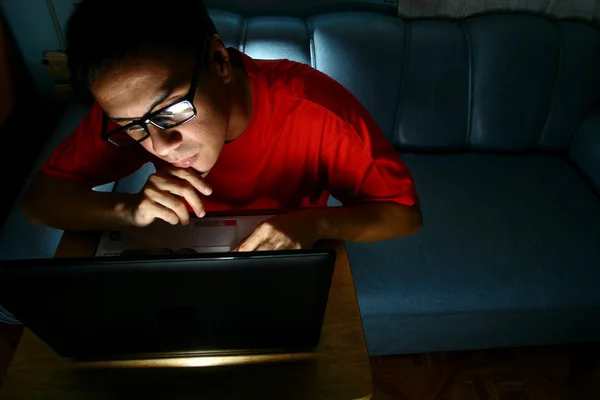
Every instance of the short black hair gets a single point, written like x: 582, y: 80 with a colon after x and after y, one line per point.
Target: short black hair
x: 101, y: 33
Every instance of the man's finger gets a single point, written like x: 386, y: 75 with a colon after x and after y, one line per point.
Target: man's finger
x: 169, y: 201
x: 187, y: 188
x: 194, y: 179
x: 191, y: 196
x: 183, y: 189
x: 164, y: 213
x: 266, y: 246
x: 252, y: 242
x: 237, y: 248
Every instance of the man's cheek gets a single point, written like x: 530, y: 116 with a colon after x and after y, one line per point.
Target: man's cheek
x: 147, y: 145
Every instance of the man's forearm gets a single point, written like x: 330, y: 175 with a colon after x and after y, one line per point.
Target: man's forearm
x: 370, y: 222
x: 63, y: 205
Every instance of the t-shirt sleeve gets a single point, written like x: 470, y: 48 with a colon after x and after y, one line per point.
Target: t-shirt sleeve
x: 361, y: 166
x: 85, y: 157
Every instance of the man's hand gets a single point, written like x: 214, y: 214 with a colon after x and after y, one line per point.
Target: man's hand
x: 163, y: 197
x: 297, y: 230
x: 368, y: 222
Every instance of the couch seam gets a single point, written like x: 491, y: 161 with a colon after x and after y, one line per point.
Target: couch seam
x: 552, y: 104
x: 471, y: 79
x: 396, y: 130
x: 244, y: 36
x: 311, y: 43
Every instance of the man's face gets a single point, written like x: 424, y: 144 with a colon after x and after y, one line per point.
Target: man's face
x: 151, y: 82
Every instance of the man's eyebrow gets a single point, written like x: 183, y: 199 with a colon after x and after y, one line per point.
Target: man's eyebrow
x: 159, y: 99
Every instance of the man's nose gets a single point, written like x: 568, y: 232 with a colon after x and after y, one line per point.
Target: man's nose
x: 164, y: 140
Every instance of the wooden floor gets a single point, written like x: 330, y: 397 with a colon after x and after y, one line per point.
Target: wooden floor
x: 539, y: 373
x: 544, y: 373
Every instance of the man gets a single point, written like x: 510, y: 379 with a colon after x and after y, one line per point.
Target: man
x: 224, y: 131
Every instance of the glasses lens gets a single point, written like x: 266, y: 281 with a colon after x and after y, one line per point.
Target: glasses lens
x: 176, y: 114
x: 128, y: 136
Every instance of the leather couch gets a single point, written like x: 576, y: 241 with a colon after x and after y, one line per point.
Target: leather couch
x: 497, y: 117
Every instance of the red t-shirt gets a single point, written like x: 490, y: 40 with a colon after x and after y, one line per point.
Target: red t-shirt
x: 308, y: 138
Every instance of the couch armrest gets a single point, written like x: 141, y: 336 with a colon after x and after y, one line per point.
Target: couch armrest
x: 585, y: 149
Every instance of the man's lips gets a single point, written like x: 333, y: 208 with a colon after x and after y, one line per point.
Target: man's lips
x: 186, y: 162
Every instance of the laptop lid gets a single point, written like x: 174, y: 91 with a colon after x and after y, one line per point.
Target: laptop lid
x: 119, y: 307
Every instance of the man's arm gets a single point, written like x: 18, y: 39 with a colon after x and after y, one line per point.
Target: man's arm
x: 60, y: 194
x: 370, y: 222
x: 69, y: 205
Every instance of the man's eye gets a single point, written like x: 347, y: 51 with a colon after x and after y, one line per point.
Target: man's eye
x: 165, y: 116
x: 176, y: 114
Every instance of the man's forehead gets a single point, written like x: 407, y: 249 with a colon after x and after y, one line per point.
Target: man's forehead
x: 163, y: 96
x: 132, y: 90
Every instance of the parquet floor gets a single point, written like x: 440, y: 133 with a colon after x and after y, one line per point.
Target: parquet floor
x: 538, y: 373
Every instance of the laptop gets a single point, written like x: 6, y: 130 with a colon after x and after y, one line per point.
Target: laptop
x: 126, y: 305
x: 202, y: 235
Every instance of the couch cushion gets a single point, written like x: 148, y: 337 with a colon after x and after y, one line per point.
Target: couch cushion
x: 515, y: 61
x: 508, y: 255
x: 577, y: 85
x: 367, y: 61
x: 272, y: 38
x: 231, y: 27
x: 436, y: 82
x: 524, y: 71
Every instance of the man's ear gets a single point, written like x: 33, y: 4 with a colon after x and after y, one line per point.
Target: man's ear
x: 219, y: 60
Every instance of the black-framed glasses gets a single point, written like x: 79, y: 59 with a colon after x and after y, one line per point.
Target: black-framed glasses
x: 171, y: 116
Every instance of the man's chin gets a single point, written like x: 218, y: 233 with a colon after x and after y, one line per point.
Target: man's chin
x: 202, y: 168
x: 204, y: 174
x: 205, y: 163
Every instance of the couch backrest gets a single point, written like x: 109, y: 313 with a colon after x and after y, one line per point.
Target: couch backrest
x: 487, y: 83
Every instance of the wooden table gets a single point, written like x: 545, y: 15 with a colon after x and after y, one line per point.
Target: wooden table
x: 338, y: 369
